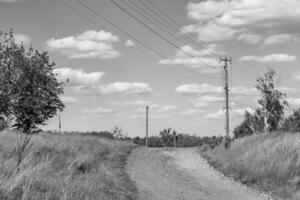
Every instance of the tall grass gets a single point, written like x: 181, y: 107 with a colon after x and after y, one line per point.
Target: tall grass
x: 65, y: 167
x: 269, y: 162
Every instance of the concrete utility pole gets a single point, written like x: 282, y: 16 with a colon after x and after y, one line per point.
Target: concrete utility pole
x: 147, y: 112
x: 226, y: 88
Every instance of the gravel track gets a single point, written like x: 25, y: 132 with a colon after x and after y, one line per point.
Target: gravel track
x: 182, y: 174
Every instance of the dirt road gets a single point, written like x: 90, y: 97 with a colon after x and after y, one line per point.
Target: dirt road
x: 182, y: 174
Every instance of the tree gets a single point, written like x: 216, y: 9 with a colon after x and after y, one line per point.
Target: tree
x: 272, y: 103
x: 270, y: 111
x: 292, y: 123
x: 30, y: 90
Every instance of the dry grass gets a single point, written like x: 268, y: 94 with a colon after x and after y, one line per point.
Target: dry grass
x: 268, y: 162
x: 65, y: 167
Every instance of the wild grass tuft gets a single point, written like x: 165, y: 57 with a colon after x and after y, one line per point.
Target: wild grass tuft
x: 65, y: 167
x: 269, y: 162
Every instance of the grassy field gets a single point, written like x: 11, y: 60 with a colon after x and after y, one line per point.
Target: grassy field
x: 65, y: 167
x: 268, y: 162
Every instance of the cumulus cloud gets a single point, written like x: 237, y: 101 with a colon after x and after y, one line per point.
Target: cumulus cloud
x: 22, y: 39
x: 101, y: 110
x: 222, y: 20
x: 220, y: 114
x: 280, y: 38
x: 9, y: 1
x: 125, y: 88
x: 270, y: 58
x: 154, y: 116
x: 294, y: 102
x: 77, y: 77
x: 129, y: 43
x: 166, y: 108
x: 250, y: 38
x: 90, y: 44
x: 191, y: 111
x: 69, y: 100
x: 196, y: 89
x: 196, y: 58
x: 134, y: 103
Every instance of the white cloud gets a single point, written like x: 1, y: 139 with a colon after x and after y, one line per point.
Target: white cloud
x: 129, y: 43
x: 9, y: 1
x: 270, y: 58
x: 77, y: 77
x: 21, y: 38
x: 69, y: 100
x: 101, y: 110
x: 191, y: 111
x: 90, y: 44
x: 134, y: 103
x: 280, y: 38
x: 151, y: 116
x: 196, y: 58
x: 209, y: 99
x: 243, y: 90
x: 222, y: 20
x: 288, y: 89
x: 126, y: 88
x: 250, y: 38
x: 296, y: 76
x: 220, y: 114
x: 195, y: 89
x: 167, y: 108
x: 295, y: 102
x: 211, y: 31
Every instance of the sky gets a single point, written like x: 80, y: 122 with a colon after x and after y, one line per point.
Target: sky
x: 167, y: 57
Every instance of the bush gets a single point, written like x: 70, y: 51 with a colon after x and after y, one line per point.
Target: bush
x: 292, y: 123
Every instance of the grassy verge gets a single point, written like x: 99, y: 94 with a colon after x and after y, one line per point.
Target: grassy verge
x: 65, y: 167
x: 268, y: 162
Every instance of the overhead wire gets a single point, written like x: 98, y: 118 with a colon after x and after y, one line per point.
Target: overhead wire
x: 151, y: 29
x: 164, y: 27
x: 130, y: 36
x: 166, y: 18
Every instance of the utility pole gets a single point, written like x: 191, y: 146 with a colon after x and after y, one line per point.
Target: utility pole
x: 174, y: 138
x: 59, y: 123
x: 147, y: 112
x: 226, y: 88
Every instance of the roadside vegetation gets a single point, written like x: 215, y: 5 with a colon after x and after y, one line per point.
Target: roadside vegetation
x: 264, y: 152
x: 66, y: 166
x: 50, y: 166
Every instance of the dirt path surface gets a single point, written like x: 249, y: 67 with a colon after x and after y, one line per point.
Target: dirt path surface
x: 182, y: 174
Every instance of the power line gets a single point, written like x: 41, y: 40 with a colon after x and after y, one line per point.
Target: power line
x: 139, y: 41
x: 151, y: 29
x: 164, y: 27
x: 164, y: 15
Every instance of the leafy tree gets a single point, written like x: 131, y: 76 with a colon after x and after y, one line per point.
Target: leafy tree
x: 270, y: 111
x: 29, y: 89
x: 272, y: 103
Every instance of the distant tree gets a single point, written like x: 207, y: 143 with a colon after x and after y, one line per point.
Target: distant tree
x: 118, y: 133
x: 292, y: 123
x: 272, y: 103
x: 166, y: 136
